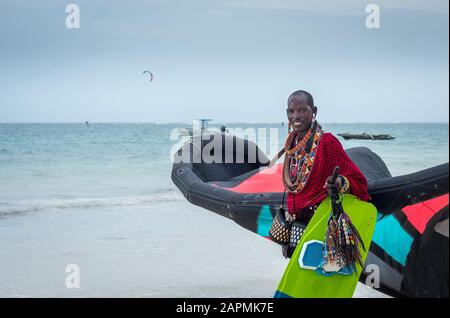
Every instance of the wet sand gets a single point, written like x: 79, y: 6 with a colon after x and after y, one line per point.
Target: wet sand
x: 166, y: 249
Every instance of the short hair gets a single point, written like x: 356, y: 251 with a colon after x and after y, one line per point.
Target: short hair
x: 309, y: 98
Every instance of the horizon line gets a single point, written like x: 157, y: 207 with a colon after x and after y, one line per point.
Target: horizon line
x: 213, y: 122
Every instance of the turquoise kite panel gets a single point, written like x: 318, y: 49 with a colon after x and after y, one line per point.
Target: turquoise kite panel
x: 391, y: 237
x: 264, y: 221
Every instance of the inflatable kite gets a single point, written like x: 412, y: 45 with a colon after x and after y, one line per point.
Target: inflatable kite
x: 410, y: 244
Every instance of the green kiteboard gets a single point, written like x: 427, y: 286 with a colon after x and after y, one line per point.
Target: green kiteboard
x: 298, y: 282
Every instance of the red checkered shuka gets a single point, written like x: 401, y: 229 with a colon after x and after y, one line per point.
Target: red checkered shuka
x: 330, y: 153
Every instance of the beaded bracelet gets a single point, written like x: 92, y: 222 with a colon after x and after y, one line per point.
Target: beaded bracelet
x: 346, y: 184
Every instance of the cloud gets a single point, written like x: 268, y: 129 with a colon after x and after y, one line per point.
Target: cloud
x: 241, y: 57
x: 221, y: 13
x: 340, y: 7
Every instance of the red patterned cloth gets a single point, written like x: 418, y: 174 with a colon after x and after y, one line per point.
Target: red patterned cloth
x: 330, y: 153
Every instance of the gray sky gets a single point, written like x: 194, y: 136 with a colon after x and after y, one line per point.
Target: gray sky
x: 234, y: 61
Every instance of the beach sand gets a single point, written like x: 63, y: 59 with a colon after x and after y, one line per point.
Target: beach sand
x: 165, y: 249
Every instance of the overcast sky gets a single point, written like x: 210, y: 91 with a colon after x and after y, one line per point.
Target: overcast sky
x: 233, y: 61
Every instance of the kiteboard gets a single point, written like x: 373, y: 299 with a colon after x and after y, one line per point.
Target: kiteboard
x: 304, y: 277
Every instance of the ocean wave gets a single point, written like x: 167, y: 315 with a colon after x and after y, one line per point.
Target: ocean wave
x: 25, y: 206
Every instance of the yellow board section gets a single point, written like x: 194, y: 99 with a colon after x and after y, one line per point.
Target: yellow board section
x: 303, y: 283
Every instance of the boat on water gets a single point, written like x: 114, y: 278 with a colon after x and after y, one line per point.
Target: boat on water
x: 410, y: 244
x: 199, y: 127
x: 364, y: 135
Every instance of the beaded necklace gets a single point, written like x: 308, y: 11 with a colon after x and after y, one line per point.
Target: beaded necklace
x: 299, y: 160
x: 298, y: 146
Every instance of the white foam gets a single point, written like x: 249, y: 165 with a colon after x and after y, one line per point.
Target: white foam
x: 25, y: 206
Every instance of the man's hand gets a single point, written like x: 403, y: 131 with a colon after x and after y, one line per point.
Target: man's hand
x: 337, y: 184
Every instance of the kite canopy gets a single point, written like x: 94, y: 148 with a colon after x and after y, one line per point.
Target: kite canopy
x: 408, y: 246
x: 150, y: 73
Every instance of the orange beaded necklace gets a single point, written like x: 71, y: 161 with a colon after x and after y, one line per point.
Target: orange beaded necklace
x: 299, y: 145
x: 298, y: 161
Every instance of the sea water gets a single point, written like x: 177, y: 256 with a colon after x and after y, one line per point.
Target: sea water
x: 83, y: 166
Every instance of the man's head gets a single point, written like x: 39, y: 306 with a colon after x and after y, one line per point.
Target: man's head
x: 301, y: 110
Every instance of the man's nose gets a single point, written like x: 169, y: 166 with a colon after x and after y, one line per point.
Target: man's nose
x: 296, y: 115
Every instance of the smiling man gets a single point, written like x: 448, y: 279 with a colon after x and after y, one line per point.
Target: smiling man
x: 310, y: 158
x: 311, y: 155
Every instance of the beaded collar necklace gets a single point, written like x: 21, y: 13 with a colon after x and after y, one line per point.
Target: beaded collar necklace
x: 299, y: 160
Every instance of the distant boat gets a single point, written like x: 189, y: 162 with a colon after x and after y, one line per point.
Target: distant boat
x: 364, y: 135
x: 203, y: 128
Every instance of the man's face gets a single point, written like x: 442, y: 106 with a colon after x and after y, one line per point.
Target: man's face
x: 299, y: 113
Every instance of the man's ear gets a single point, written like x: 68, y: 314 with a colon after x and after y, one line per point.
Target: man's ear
x: 315, y: 110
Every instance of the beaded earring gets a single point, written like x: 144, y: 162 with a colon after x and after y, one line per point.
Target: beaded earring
x: 313, y: 121
x: 289, y: 127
